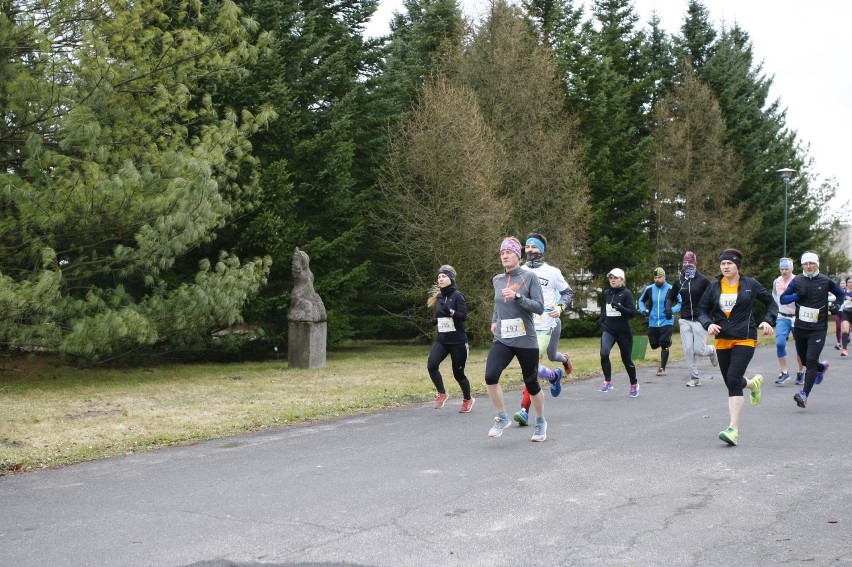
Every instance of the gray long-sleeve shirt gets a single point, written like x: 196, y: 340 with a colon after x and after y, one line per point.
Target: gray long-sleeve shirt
x: 514, y: 318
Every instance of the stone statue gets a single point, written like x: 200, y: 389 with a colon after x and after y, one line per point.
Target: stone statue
x: 307, y: 318
x: 305, y: 303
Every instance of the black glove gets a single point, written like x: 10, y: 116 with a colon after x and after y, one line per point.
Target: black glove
x: 668, y: 313
x: 616, y: 305
x: 833, y: 308
x: 644, y: 313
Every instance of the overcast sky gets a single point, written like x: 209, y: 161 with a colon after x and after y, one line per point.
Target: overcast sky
x: 805, y: 46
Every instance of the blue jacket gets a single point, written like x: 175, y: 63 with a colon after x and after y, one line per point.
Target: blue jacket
x: 652, y: 301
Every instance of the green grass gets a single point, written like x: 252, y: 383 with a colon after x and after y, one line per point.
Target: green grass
x: 54, y: 415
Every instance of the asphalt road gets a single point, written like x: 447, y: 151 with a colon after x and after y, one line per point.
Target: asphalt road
x: 618, y: 482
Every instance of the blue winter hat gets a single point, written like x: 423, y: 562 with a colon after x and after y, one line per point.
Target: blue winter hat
x: 786, y: 263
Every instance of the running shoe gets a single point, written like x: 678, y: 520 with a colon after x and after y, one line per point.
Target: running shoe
x: 837, y: 346
x: 569, y: 368
x: 693, y: 383
x: 556, y: 385
x: 440, y: 400
x: 730, y: 436
x: 714, y: 358
x: 822, y: 368
x: 634, y: 391
x: 467, y: 405
x: 755, y: 392
x: 661, y: 371
x: 844, y: 352
x: 782, y: 377
x: 800, y: 378
x: 607, y: 386
x: 501, y: 422
x: 522, y: 417
x: 801, y: 398
x: 539, y: 431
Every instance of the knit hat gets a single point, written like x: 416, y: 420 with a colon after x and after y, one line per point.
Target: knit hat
x: 690, y: 258
x: 512, y: 245
x: 785, y: 263
x: 449, y: 272
x: 659, y: 272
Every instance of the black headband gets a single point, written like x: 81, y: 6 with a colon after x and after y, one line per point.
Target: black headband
x: 730, y: 256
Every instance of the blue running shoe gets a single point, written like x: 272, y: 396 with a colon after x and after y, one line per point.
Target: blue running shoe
x: 556, y: 385
x: 501, y: 423
x: 801, y: 399
x: 522, y: 417
x: 822, y: 368
x: 634, y: 390
x: 783, y: 377
x: 800, y: 378
x: 607, y: 386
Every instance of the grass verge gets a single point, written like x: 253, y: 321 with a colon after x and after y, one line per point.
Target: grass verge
x: 54, y: 415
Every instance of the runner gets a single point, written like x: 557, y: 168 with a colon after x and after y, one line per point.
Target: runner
x: 450, y: 315
x: 726, y: 311
x: 517, y: 296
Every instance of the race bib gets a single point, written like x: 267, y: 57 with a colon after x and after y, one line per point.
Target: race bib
x: 446, y: 325
x: 808, y: 314
x: 510, y: 328
x: 612, y: 311
x: 727, y: 302
x: 538, y: 319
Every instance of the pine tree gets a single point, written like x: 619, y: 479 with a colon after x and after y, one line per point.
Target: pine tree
x: 115, y: 167
x: 609, y: 89
x: 693, y: 175
x: 317, y: 167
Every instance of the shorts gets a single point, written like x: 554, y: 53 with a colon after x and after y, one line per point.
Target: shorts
x: 660, y: 336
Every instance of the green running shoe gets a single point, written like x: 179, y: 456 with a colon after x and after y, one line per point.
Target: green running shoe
x: 730, y: 436
x: 755, y: 392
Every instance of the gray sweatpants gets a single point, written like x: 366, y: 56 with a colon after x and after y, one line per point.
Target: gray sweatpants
x: 694, y: 339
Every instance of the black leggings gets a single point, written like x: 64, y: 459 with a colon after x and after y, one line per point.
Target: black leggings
x: 625, y: 347
x: 499, y: 357
x: 809, y: 346
x: 733, y: 363
x: 458, y: 357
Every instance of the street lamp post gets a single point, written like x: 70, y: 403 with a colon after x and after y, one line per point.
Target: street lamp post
x: 785, y: 174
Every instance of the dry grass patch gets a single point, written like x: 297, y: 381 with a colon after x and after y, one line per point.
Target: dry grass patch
x: 54, y: 415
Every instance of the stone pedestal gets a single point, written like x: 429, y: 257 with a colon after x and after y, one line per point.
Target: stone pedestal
x: 306, y: 344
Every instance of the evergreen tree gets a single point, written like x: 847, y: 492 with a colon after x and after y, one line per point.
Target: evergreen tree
x: 694, y: 176
x: 441, y: 204
x: 697, y: 42
x: 317, y: 167
x: 115, y: 167
x: 517, y: 86
x: 755, y: 129
x: 608, y: 88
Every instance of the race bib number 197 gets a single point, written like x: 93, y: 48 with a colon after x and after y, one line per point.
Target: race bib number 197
x: 510, y: 328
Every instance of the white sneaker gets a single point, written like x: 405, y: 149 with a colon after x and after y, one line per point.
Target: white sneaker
x: 714, y: 359
x: 540, y: 430
x: 693, y: 383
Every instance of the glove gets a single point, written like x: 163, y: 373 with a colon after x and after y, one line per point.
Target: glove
x: 668, y: 313
x: 833, y: 308
x: 644, y: 313
x: 616, y: 305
